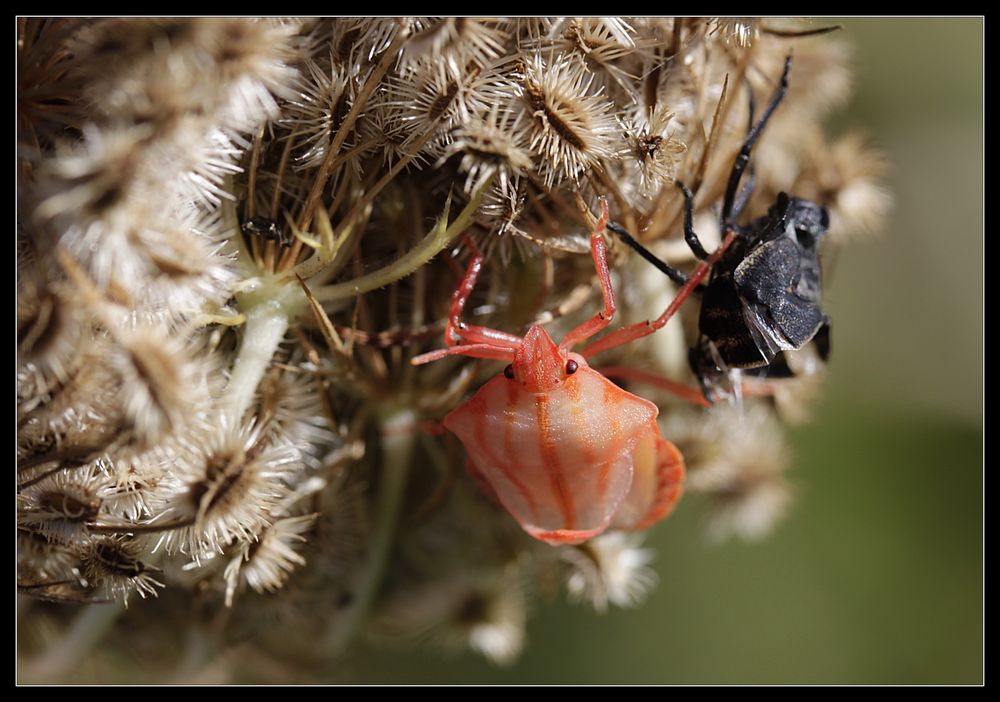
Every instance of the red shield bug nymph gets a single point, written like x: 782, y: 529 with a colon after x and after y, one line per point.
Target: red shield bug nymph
x: 567, y: 452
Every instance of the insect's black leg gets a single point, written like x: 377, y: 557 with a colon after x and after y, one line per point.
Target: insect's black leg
x: 752, y: 105
x: 745, y: 193
x: 747, y: 190
x: 665, y: 268
x: 743, y: 158
x: 689, y: 234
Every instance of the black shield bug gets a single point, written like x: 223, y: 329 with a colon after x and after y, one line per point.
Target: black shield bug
x: 763, y: 296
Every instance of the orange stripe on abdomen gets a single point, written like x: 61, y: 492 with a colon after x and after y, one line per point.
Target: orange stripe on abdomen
x: 611, y: 451
x: 550, y: 459
x: 500, y: 462
x: 582, y: 417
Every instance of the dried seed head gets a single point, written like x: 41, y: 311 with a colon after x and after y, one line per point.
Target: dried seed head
x: 611, y: 568
x: 201, y: 165
x: 49, y: 329
x: 728, y: 441
x: 49, y: 100
x: 255, y: 49
x: 127, y: 501
x: 737, y: 456
x: 383, y: 126
x: 230, y: 488
x: 492, y: 622
x: 160, y: 381
x: 266, y: 564
x: 187, y: 264
x: 130, y: 42
x: 75, y: 418
x: 573, y: 125
x: 739, y: 31
x: 41, y: 560
x: 454, y: 42
x: 820, y: 80
x: 89, y: 181
x: 529, y: 31
x: 847, y: 178
x: 493, y: 145
x: 609, y: 46
x: 654, y: 151
x: 601, y: 38
x: 503, y: 206
x: 434, y: 101
x: 130, y: 74
x: 342, y: 38
x: 137, y: 482
x: 199, y: 68
x: 314, y: 113
x: 361, y: 39
x: 290, y: 406
x: 160, y: 113
x: 485, y: 613
x: 114, y: 565
x: 60, y: 506
x: 164, y: 265
x: 749, y: 509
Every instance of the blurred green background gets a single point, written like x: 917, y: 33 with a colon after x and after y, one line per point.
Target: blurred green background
x: 876, y: 574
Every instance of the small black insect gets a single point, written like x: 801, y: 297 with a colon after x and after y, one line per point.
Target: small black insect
x: 763, y: 296
x: 267, y: 230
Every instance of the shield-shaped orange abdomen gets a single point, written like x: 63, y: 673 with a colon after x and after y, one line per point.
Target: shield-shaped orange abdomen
x: 567, y: 461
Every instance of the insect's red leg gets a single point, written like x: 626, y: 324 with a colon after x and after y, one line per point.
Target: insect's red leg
x: 462, y: 293
x: 682, y: 391
x: 485, y: 335
x: 490, y: 351
x: 457, y: 331
x: 641, y: 329
x: 600, y: 256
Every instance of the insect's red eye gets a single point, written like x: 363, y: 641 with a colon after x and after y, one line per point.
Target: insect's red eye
x: 571, y: 367
x: 508, y: 372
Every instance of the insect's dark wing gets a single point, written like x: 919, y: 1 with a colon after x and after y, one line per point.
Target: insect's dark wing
x: 769, y: 272
x: 787, y: 325
x: 766, y: 334
x: 809, y: 286
x: 781, y: 307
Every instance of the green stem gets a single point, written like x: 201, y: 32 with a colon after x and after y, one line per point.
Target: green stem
x: 231, y: 223
x: 268, y: 307
x: 429, y: 247
x: 398, y: 441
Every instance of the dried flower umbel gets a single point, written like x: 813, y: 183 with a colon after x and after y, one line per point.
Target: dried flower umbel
x: 233, y: 235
